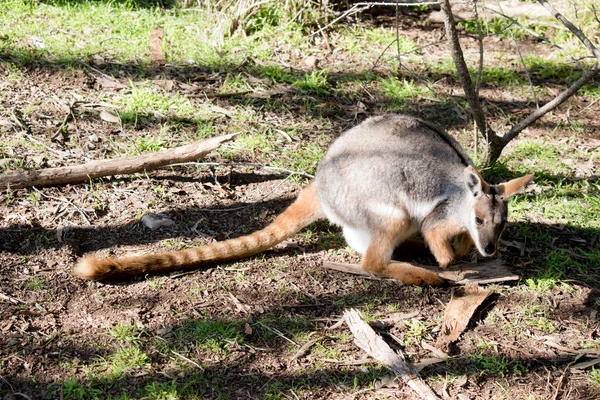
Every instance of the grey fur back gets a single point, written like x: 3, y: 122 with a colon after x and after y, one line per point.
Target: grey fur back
x: 388, y: 160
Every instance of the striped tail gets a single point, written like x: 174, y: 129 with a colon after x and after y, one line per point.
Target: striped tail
x: 305, y: 210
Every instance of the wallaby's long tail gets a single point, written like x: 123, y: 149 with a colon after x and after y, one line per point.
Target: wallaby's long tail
x: 302, y: 212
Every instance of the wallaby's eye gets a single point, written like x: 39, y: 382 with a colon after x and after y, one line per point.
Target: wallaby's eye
x: 478, y: 221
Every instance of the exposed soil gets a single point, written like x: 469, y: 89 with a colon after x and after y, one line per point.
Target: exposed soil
x: 51, y: 332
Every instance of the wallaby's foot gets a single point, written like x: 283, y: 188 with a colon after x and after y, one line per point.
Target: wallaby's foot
x: 412, y: 275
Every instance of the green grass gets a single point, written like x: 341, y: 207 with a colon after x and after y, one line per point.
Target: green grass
x: 126, y: 333
x: 316, y: 82
x: 495, y: 364
x: 123, y: 361
x: 594, y: 376
x: 502, y: 27
x: 36, y: 284
x: 399, y: 91
x: 214, y: 336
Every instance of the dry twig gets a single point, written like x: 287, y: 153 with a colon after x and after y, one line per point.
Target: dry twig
x: 366, y: 338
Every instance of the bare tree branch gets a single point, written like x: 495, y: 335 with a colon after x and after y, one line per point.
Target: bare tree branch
x: 576, y: 31
x: 562, y: 97
x: 463, y: 74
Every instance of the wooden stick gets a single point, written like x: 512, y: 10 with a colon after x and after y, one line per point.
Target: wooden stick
x: 484, y: 273
x: 366, y: 338
x: 117, y: 166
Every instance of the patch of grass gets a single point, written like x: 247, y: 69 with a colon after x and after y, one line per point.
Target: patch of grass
x: 144, y: 102
x: 161, y: 391
x: 304, y: 159
x: 550, y: 69
x: 541, y: 284
x: 415, y: 331
x: 126, y: 333
x: 499, y: 76
x: 591, y: 90
x: 149, y: 144
x: 235, y: 83
x: 276, y: 74
x: 594, y: 376
x: 543, y: 324
x: 387, y: 35
x: 502, y: 27
x: 400, y: 90
x: 124, y: 360
x: 215, y: 336
x: 72, y: 389
x: 497, y: 365
x: 36, y: 284
x: 316, y: 82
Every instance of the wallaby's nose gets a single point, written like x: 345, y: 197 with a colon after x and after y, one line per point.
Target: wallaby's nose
x: 490, y: 249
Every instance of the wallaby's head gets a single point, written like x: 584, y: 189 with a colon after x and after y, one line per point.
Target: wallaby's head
x: 489, y: 210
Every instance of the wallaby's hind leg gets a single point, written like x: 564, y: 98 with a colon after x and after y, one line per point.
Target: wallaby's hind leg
x: 378, y: 256
x: 439, y: 240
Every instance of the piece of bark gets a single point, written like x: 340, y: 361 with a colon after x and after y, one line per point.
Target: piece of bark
x: 459, y: 311
x: 366, y: 338
x: 460, y: 274
x: 116, y: 166
x: 583, y: 365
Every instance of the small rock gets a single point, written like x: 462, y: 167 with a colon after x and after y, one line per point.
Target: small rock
x: 155, y: 221
x: 311, y: 62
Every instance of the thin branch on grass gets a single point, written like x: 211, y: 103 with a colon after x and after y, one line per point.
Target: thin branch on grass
x: 355, y: 9
x: 64, y: 200
x: 278, y: 333
x: 117, y: 166
x: 566, y: 94
x: 537, y: 35
x: 366, y: 338
x: 70, y: 116
x: 533, y: 92
x: 194, y: 363
x: 570, y: 26
x: 13, y: 300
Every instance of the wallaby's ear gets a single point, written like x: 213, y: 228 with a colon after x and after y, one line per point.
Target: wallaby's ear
x: 511, y: 187
x: 475, y: 182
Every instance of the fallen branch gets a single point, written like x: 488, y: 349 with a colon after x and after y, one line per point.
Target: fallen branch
x: 366, y: 338
x: 460, y: 274
x: 117, y: 166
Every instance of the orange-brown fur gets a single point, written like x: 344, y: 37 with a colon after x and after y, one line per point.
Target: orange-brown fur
x: 302, y: 212
x: 377, y: 259
x: 439, y: 240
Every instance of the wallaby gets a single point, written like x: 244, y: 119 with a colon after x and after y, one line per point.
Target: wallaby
x: 382, y: 182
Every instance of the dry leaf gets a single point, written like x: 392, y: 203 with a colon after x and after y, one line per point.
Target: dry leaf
x: 110, y: 117
x: 459, y: 311
x: 166, y: 84
x: 110, y: 83
x: 156, y: 41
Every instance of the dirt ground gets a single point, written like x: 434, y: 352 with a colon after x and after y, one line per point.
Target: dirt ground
x: 53, y: 326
